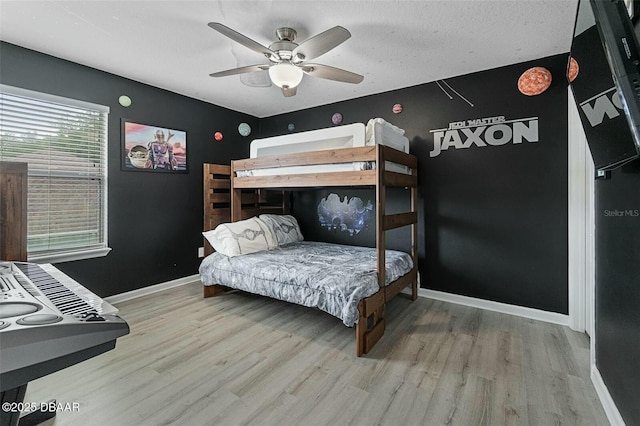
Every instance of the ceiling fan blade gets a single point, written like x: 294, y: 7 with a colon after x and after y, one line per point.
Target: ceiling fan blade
x: 241, y: 70
x: 331, y: 73
x: 289, y: 91
x: 321, y: 43
x: 242, y: 39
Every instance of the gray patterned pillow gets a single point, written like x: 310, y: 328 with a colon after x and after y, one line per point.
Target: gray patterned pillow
x: 242, y: 237
x: 285, y: 228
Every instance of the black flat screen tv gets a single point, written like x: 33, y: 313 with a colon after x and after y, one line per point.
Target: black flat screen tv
x: 607, y: 85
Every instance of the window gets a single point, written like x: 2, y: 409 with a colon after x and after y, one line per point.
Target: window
x: 64, y: 141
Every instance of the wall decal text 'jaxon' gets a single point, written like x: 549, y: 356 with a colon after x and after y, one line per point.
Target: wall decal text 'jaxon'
x: 606, y: 103
x: 482, y: 132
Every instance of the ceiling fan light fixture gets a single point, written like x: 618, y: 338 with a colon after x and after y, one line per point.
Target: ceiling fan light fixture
x: 285, y: 75
x: 288, y: 58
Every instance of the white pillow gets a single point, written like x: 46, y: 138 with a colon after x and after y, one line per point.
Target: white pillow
x: 243, y: 237
x: 371, y: 124
x: 285, y: 228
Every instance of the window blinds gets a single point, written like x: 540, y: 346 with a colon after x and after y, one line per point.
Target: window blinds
x: 64, y: 143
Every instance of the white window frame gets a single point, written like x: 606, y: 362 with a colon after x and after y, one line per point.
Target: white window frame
x: 78, y: 253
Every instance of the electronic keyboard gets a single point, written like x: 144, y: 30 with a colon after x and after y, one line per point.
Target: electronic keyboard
x: 48, y: 322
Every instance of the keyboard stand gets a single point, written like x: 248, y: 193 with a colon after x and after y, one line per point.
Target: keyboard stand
x: 15, y: 397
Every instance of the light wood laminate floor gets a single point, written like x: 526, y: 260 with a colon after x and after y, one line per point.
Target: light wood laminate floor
x: 244, y: 359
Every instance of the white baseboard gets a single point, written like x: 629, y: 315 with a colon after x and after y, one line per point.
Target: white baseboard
x: 608, y: 404
x: 134, y: 294
x: 504, y: 308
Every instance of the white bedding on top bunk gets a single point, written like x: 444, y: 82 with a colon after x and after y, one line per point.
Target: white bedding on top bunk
x: 377, y: 131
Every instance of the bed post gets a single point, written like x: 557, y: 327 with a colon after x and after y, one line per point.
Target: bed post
x: 381, y: 199
x: 381, y: 241
x: 361, y: 330
x: 213, y: 290
x: 414, y: 237
x: 375, y: 306
x: 236, y: 197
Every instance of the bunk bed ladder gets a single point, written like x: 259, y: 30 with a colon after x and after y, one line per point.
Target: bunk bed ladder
x: 371, y: 324
x: 246, y: 203
x: 219, y: 208
x: 217, y: 200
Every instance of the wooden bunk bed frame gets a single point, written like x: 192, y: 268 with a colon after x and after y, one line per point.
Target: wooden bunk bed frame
x: 228, y: 197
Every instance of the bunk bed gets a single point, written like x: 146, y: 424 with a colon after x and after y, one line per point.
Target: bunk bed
x: 253, y: 187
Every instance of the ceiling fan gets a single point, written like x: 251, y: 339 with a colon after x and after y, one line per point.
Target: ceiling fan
x: 287, y: 58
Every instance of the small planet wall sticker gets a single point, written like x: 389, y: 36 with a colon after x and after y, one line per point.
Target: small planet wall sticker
x: 218, y: 136
x: 244, y: 129
x: 125, y: 101
x: 336, y: 118
x: 397, y: 108
x: 574, y: 69
x: 534, y: 81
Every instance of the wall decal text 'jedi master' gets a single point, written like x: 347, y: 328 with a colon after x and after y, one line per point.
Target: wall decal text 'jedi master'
x: 482, y: 132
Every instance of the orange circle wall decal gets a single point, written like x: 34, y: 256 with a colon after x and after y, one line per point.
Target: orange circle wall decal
x: 574, y: 69
x: 534, y: 81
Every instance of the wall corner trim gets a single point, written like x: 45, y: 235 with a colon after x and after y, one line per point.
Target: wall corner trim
x: 581, y: 236
x: 145, y: 291
x: 504, y: 308
x: 609, y: 406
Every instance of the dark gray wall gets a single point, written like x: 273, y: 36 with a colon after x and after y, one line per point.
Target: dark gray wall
x: 493, y: 220
x: 155, y: 220
x: 618, y: 287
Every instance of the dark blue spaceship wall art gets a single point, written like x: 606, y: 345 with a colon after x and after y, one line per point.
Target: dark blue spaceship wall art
x: 350, y: 215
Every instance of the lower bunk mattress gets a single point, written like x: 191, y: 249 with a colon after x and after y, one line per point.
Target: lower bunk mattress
x: 330, y: 277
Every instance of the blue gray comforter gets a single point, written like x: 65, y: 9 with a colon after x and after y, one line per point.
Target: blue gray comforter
x: 330, y: 277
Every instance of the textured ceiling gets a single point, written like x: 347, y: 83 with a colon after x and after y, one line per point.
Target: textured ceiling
x: 394, y: 44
